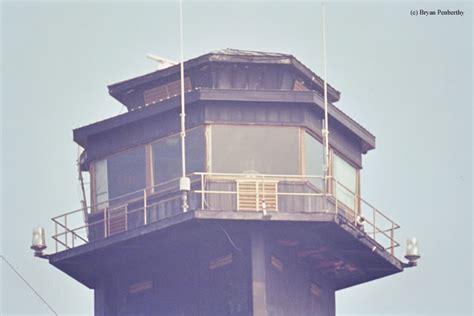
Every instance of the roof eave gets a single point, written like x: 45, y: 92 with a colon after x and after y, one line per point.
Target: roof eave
x: 367, y: 139
x: 116, y: 90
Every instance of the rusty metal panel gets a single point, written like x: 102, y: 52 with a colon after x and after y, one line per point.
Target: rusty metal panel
x: 299, y: 86
x: 155, y: 94
x: 224, y: 76
x: 240, y: 77
x: 165, y: 91
x: 255, y: 78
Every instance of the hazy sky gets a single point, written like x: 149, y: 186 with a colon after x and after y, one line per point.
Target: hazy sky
x: 407, y: 79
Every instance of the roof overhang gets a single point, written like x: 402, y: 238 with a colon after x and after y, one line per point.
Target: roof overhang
x: 291, y: 98
x: 118, y: 90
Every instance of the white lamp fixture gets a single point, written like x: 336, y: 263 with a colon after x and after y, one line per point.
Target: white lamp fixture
x: 412, y: 253
x: 38, y: 243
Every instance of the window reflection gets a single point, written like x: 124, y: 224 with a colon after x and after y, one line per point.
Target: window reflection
x: 255, y: 149
x: 346, y: 176
x: 314, y: 160
x: 166, y: 154
x: 166, y: 159
x: 126, y: 172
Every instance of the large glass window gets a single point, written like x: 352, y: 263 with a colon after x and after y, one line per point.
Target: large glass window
x: 101, y: 183
x: 166, y: 159
x: 126, y: 172
x: 346, y: 176
x: 120, y: 174
x: 255, y: 149
x: 167, y: 155
x: 314, y: 160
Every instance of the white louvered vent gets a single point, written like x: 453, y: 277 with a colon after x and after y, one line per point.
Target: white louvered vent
x: 252, y: 193
x: 117, y: 221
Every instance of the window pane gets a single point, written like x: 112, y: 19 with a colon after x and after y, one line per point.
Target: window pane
x: 255, y: 149
x: 195, y: 150
x: 166, y: 159
x: 101, y: 185
x: 346, y: 175
x: 314, y: 160
x: 167, y: 155
x: 126, y: 172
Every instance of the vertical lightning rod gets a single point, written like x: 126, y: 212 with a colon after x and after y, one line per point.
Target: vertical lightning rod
x: 325, y: 126
x: 184, y: 182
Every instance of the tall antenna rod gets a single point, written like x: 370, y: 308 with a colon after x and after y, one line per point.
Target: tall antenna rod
x: 184, y: 182
x: 325, y: 127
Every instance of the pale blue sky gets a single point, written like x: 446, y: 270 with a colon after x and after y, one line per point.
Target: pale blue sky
x: 406, y: 79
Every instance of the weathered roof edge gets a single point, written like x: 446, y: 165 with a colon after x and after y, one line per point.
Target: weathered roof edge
x: 226, y: 55
x: 82, y: 133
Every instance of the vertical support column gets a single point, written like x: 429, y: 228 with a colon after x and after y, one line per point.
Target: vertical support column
x: 99, y: 299
x: 259, y: 295
x: 331, y: 303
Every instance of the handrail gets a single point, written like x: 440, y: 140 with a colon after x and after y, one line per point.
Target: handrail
x: 255, y: 175
x: 121, y: 197
x: 116, y: 216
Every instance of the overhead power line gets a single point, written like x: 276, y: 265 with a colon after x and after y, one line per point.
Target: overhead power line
x: 28, y: 284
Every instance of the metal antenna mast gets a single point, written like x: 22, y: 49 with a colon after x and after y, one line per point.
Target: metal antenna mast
x: 184, y: 182
x: 325, y: 130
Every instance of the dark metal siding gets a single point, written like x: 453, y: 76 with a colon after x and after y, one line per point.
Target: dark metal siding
x: 183, y: 280
x: 282, y: 114
x: 215, y: 112
x: 141, y: 132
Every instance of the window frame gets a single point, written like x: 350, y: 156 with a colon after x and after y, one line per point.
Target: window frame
x: 152, y: 184
x: 331, y: 189
x: 151, y: 165
x: 209, y: 140
x: 319, y: 139
x: 149, y: 170
x: 92, y: 171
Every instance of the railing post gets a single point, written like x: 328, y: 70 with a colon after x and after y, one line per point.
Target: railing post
x: 145, y: 212
x: 56, y: 235
x: 202, y: 191
x: 334, y: 189
x: 105, y: 222
x: 126, y: 217
x: 258, y: 195
x: 325, y: 181
x: 66, y: 231
x: 373, y: 222
x: 356, y: 210
x: 392, y: 246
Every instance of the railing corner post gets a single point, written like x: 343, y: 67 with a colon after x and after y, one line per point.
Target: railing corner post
x: 145, y: 212
x: 202, y: 191
x: 56, y: 235
x: 392, y: 244
x: 105, y: 222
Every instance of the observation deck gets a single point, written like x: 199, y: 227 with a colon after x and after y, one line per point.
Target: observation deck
x: 351, y: 238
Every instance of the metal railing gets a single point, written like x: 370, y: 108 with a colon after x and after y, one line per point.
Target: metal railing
x: 95, y: 222
x: 225, y: 192
x: 364, y: 215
